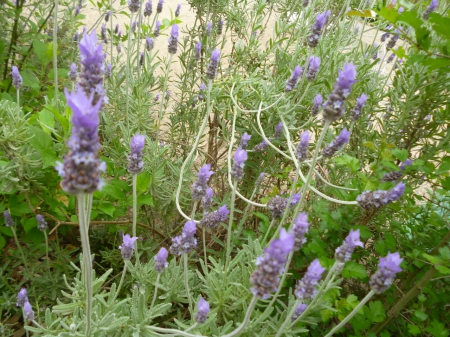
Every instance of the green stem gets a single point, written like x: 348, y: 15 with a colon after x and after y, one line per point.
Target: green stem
x: 241, y: 327
x: 204, y: 248
x: 87, y: 259
x: 288, y: 318
x: 19, y: 247
x: 350, y: 315
x: 186, y: 280
x: 25, y: 321
x: 128, y: 72
x: 134, y: 203
x: 268, y: 230
x: 122, y: 278
x: 46, y: 249
x: 18, y: 97
x: 163, y: 99
x: 172, y: 331
x: 155, y: 293
x: 230, y: 225
x: 55, y: 49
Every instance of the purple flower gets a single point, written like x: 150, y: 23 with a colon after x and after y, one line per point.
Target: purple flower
x: 388, y: 268
x: 211, y: 72
x: 306, y: 287
x: 28, y: 311
x: 134, y: 26
x: 401, y: 10
x: 186, y: 242
x: 395, y: 193
x: 393, y: 40
x: 119, y: 34
x: 396, y: 175
x: 199, y: 187
x: 42, y: 224
x: 295, y: 199
x: 73, y: 73
x: 360, y: 102
x: 81, y: 167
x: 134, y: 5
x: 127, y: 246
x: 301, y: 226
x: 260, y: 179
x: 107, y: 15
x: 77, y: 11
x: 141, y: 58
x: 76, y: 36
x: 177, y: 12
x: 209, y: 27
x: 157, y: 28
x: 336, y: 144
x: 313, y: 68
x: 302, y: 148
x: 279, y: 130
x: 161, y: 260
x: 159, y: 6
x: 390, y: 59
x: 108, y: 70
x: 344, y: 252
x: 103, y: 32
x: 291, y: 83
x: 305, y: 3
x: 22, y: 297
x: 244, y: 140
x: 407, y: 162
x: 116, y: 29
x: 220, y: 27
x: 261, y: 146
x: 334, y: 107
x: 17, y: 80
x: 300, y: 309
x: 376, y: 199
x: 149, y: 43
x: 207, y: 198
x: 317, y: 103
x: 265, y: 278
x: 213, y: 219
x: 173, y: 40
x: 148, y: 8
x: 203, y: 310
x: 321, y: 19
x: 135, y: 162
x: 8, y: 220
x: 198, y: 50
x: 277, y: 206
x: 431, y: 8
x: 119, y: 49
x: 237, y: 171
x: 202, y: 89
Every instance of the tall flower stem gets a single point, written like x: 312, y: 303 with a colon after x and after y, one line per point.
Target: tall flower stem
x: 204, y: 248
x: 25, y: 322
x: 163, y: 99
x: 87, y: 261
x: 18, y: 97
x: 19, y: 247
x: 55, y: 50
x: 122, y: 278
x: 155, y: 292
x: 186, y: 280
x: 134, y: 203
x: 241, y: 327
x: 46, y: 249
x: 350, y: 315
x: 269, y: 229
x: 288, y: 318
x: 230, y: 226
x: 128, y: 71
x: 111, y: 30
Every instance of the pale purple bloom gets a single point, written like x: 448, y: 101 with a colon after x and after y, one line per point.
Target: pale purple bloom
x: 321, y: 19
x: 119, y: 34
x: 177, y: 12
x: 73, y: 73
x: 302, y: 148
x: 148, y: 8
x: 17, y: 80
x: 300, y: 309
x: 8, y: 219
x: 209, y: 27
x: 334, y: 107
x: 237, y: 171
x: 161, y: 260
x: 407, y: 162
x: 213, y: 219
x: 313, y: 68
x: 198, y: 50
x: 134, y: 26
x: 260, y: 179
x: 173, y: 40
x: 265, y: 278
x: 22, y: 297
x: 431, y: 8
x: 277, y: 206
x: 278, y: 130
x: 393, y: 40
x: 345, y: 251
x: 337, y: 144
x: 135, y: 162
x: 119, y: 49
x: 317, y: 103
x: 401, y: 10
x: 186, y: 242
x: 28, y: 311
x: 149, y: 43
x: 156, y: 98
x: 199, y: 187
x: 77, y: 11
x: 42, y: 224
x: 134, y: 5
x: 203, y: 310
x: 291, y: 83
x: 395, y: 193
x: 211, y: 72
x: 306, y: 287
x: 116, y: 29
x: 103, y: 32
x: 376, y: 199
x: 207, y: 198
x: 159, y: 6
x: 295, y: 199
x: 108, y: 70
x: 357, y: 111
x: 261, y: 146
x: 301, y: 226
x: 107, y: 15
x: 220, y: 27
x: 157, y: 29
x: 244, y: 140
x: 127, y: 246
x: 388, y: 268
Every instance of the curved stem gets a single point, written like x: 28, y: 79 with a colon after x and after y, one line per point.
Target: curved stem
x: 230, y: 226
x: 350, y: 315
x: 186, y: 280
x: 122, y: 278
x: 163, y: 98
x: 55, y: 49
x: 155, y: 293
x: 241, y: 327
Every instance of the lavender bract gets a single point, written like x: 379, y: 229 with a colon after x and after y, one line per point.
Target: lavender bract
x: 313, y: 68
x: 291, y: 83
x: 157, y: 29
x: 300, y: 228
x: 237, y: 171
x: 73, y: 73
x: 306, y: 287
x: 244, y: 140
x: 317, y: 104
x: 127, y: 246
x: 22, y: 297
x: 17, y: 80
x: 213, y: 219
x: 173, y: 40
x: 186, y: 242
x: 357, y: 111
x: 159, y: 6
x: 207, y: 198
x: 42, y: 224
x: 261, y: 146
x: 177, y: 11
x: 28, y: 311
x: 336, y: 144
x: 203, y: 310
x: 161, y: 260
x: 388, y: 268
x: 135, y: 162
x: 321, y: 19
x: 211, y: 72
x: 199, y: 187
x: 148, y: 8
x: 8, y: 219
x: 265, y: 278
x: 345, y: 251
x: 302, y: 149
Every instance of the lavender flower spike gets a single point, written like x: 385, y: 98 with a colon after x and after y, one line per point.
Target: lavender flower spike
x: 203, y: 310
x: 21, y: 297
x: 219, y: 27
x: 9, y: 222
x: 148, y: 8
x: 213, y: 219
x: 388, y: 268
x: 159, y: 6
x: 300, y: 309
x: 313, y: 68
x: 261, y: 146
x: 17, y: 80
x: 301, y: 226
x: 157, y: 29
x: 395, y: 193
x: 116, y: 29
x: 199, y: 187
x: 360, y: 102
x: 265, y: 278
x: 42, y: 224
x: 177, y: 12
x: 186, y: 242
x: 173, y: 40
x: 431, y: 8
x: 135, y: 162
x: 278, y: 130
x: 73, y: 73
x: 81, y: 168
x: 107, y: 15
x: 302, y: 148
x: 108, y: 70
x: 407, y: 162
x: 149, y: 43
x: 134, y: 5
x: 317, y: 103
x: 209, y: 27
x: 202, y: 89
x: 211, y: 72
x: 198, y: 50
x: 313, y: 38
x: 334, y: 107
x: 207, y: 198
x: 28, y: 311
x: 336, y: 144
x: 344, y: 252
x: 306, y: 287
x: 244, y: 140
x: 161, y: 260
x: 376, y: 199
x: 237, y: 171
x: 292, y: 82
x: 127, y: 246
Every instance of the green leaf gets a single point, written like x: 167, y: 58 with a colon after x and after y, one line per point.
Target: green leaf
x: 354, y: 270
x: 143, y: 181
x: 431, y: 258
x: 401, y: 154
x: 440, y: 24
x: 145, y: 200
x: 326, y: 314
x: 363, y: 13
x: 29, y: 79
x: 443, y: 270
x: 437, y: 329
x: 2, y: 242
x: 47, y: 121
x: 420, y: 315
x: 49, y: 158
x: 107, y: 207
x: 445, y: 252
x: 59, y: 117
x: 40, y: 49
x: 111, y: 190
x: 166, y: 23
x: 41, y: 140
x: 414, y: 329
x: 390, y: 15
x: 351, y: 162
x: 444, y: 167
x: 376, y: 313
x: 62, y: 73
x: 28, y: 224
